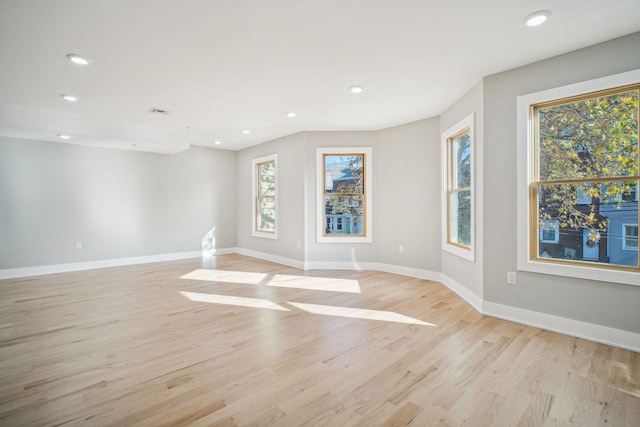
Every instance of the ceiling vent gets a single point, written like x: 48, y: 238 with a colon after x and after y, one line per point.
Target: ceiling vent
x: 158, y: 111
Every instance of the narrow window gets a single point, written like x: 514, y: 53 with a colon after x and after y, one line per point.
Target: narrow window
x: 344, y: 195
x: 265, y: 185
x: 630, y: 237
x: 458, y: 206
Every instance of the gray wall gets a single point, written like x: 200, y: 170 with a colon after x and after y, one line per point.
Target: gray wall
x: 407, y: 195
x: 607, y: 304
x: 118, y: 203
x: 465, y: 272
x: 319, y: 252
x: 406, y: 208
x: 291, y: 151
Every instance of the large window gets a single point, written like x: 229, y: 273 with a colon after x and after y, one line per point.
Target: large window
x: 265, y: 202
x: 581, y: 163
x: 344, y: 195
x: 458, y: 206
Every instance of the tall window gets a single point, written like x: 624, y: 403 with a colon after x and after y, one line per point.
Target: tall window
x: 458, y: 209
x: 344, y: 195
x: 583, y: 157
x: 265, y: 188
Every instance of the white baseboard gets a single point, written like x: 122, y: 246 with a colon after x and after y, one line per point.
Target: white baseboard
x: 407, y: 271
x: 575, y: 328
x: 12, y: 273
x: 589, y: 331
x: 463, y: 292
x: 269, y: 257
x: 339, y: 265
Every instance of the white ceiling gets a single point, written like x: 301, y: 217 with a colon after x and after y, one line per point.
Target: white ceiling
x: 220, y: 66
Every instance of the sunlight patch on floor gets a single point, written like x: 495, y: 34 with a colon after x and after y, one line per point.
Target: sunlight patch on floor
x: 231, y: 300
x: 315, y: 283
x: 225, y: 276
x: 358, y: 313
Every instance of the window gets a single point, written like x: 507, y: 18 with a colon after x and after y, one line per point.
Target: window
x: 458, y: 204
x: 630, y: 237
x: 578, y: 160
x: 265, y: 201
x: 344, y: 195
x: 550, y: 231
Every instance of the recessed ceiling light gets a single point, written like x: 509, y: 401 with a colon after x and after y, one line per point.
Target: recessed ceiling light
x: 217, y: 142
x: 77, y: 59
x: 69, y: 98
x: 246, y: 131
x: 537, y: 18
x: 356, y: 89
x: 64, y: 136
x: 290, y: 114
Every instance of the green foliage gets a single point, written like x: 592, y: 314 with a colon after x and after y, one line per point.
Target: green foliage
x: 348, y: 195
x: 593, y: 139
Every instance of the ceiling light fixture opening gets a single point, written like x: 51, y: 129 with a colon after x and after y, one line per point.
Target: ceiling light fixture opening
x: 64, y: 136
x: 537, y: 18
x: 290, y: 114
x: 77, y: 59
x: 69, y: 98
x: 356, y: 89
x: 216, y: 142
x: 246, y: 131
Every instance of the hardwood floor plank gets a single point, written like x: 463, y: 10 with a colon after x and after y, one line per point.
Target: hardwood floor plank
x: 236, y: 341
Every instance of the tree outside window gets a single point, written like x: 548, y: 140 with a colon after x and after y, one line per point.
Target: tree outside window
x: 265, y: 182
x: 586, y: 175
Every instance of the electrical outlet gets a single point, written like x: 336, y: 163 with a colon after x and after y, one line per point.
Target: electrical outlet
x: 78, y: 246
x: 298, y: 245
x: 401, y: 249
x: 511, y: 277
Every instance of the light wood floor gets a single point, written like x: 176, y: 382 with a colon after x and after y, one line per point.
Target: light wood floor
x: 239, y: 341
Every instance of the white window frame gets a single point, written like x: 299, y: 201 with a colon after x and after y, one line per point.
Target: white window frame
x: 624, y: 238
x: 467, y: 253
x: 321, y: 237
x: 556, y: 229
x: 525, y: 175
x: 254, y: 196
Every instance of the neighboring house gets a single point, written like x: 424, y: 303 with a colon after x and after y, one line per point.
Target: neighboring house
x: 617, y: 245
x: 622, y: 242
x: 557, y: 241
x: 349, y: 222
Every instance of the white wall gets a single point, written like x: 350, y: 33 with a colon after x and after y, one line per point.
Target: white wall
x: 461, y: 271
x: 119, y: 204
x: 606, y: 304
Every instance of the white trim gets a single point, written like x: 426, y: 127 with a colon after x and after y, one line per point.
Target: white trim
x: 462, y: 291
x: 40, y: 270
x: 525, y: 173
x: 254, y: 193
x: 575, y: 328
x: 556, y: 231
x: 339, y: 265
x: 269, y: 257
x: 624, y: 237
x: 467, y: 122
x: 368, y: 192
x: 408, y: 271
